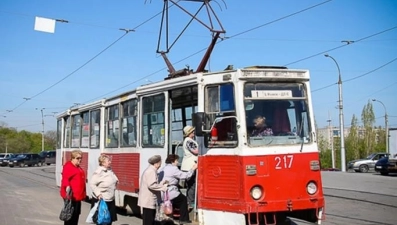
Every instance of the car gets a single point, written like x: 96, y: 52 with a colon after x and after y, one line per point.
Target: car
x: 49, y: 157
x: 386, y: 165
x: 4, y: 157
x: 364, y: 165
x: 29, y: 159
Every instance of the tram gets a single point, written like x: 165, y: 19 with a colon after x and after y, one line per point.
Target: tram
x: 242, y: 179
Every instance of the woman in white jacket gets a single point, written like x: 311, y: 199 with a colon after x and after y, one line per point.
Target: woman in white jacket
x: 103, y: 185
x: 172, y: 175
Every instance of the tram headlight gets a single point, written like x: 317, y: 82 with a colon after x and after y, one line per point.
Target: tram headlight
x: 256, y: 192
x: 311, y: 188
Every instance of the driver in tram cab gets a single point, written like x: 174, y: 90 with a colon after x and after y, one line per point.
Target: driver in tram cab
x: 261, y: 129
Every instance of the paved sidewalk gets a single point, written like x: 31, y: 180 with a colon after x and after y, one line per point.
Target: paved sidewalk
x: 25, y: 201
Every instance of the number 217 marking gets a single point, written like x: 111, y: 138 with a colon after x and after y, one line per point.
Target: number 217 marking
x: 284, y: 162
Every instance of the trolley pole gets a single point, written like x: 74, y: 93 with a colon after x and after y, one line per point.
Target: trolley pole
x: 341, y: 126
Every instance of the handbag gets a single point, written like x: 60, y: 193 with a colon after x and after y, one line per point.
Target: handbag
x: 67, y: 209
x: 90, y: 217
x: 103, y: 213
x: 167, y: 205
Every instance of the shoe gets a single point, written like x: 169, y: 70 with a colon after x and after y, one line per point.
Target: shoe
x: 183, y: 222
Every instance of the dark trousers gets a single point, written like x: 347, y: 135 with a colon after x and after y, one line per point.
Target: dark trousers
x: 76, y: 214
x: 191, y: 189
x: 148, y: 216
x: 180, y: 202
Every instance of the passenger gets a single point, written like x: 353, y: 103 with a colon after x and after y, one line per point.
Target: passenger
x: 149, y: 190
x: 261, y: 129
x: 73, y: 179
x: 173, y: 175
x: 190, y: 149
x: 103, y: 185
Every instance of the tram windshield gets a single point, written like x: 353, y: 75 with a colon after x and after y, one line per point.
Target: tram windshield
x: 276, y: 114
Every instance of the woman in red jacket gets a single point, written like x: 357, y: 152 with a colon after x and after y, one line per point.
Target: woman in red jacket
x: 73, y: 178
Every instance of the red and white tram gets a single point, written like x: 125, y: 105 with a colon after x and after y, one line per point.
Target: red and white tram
x: 242, y: 179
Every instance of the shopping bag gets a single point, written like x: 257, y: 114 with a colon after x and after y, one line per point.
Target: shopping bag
x: 167, y: 205
x: 67, y: 209
x: 91, y: 213
x: 103, y: 213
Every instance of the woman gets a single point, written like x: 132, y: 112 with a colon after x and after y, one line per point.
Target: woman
x: 190, y: 149
x: 172, y: 174
x: 103, y: 185
x: 73, y: 179
x: 149, y: 190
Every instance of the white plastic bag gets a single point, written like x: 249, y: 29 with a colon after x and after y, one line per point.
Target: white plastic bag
x: 91, y: 213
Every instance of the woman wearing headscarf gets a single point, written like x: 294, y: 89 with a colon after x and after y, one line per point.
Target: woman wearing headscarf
x: 190, y: 149
x: 73, y: 180
x: 173, y: 175
x: 149, y: 190
x: 103, y: 185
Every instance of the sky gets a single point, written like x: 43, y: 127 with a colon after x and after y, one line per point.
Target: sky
x: 90, y: 58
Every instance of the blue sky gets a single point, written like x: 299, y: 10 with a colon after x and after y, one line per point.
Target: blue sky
x: 288, y: 32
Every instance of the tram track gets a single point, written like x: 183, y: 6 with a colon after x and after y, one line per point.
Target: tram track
x: 15, y: 173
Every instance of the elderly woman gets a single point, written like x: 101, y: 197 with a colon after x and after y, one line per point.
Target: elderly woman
x: 149, y: 190
x: 73, y: 179
x: 103, y: 185
x: 190, y: 149
x: 172, y: 174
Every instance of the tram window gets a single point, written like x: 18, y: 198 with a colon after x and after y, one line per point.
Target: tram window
x: 153, y: 127
x: 113, y: 125
x: 76, y: 129
x: 66, y: 141
x: 59, y: 133
x: 85, y: 129
x: 220, y: 98
x: 95, y: 129
x: 129, y: 123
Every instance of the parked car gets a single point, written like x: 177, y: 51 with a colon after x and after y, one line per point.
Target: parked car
x: 4, y: 157
x: 386, y: 165
x: 364, y: 165
x: 49, y: 157
x: 29, y: 159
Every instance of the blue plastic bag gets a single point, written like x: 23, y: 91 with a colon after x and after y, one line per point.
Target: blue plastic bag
x: 103, y: 213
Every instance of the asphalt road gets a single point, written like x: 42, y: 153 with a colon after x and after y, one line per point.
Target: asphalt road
x: 29, y: 196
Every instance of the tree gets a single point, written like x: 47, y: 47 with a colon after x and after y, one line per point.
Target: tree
x: 50, y: 138
x: 368, y: 119
x: 353, y: 141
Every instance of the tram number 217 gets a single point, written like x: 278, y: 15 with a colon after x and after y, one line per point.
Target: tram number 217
x: 284, y: 162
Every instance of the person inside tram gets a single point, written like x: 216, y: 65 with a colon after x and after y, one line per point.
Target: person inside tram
x: 173, y: 175
x: 190, y: 150
x: 261, y: 128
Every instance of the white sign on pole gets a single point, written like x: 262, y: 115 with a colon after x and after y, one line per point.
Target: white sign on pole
x: 44, y: 25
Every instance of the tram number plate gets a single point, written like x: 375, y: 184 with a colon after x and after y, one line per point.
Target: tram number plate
x: 284, y: 162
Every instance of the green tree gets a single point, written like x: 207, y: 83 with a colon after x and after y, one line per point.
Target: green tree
x: 368, y: 119
x: 353, y: 141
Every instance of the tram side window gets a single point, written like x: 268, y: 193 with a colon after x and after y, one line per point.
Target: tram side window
x: 66, y: 142
x: 112, y: 134
x: 153, y: 121
x: 76, y: 129
x: 85, y: 135
x: 59, y: 133
x: 129, y: 123
x: 95, y: 128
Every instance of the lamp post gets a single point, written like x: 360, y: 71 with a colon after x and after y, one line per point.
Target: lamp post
x: 42, y: 132
x: 331, y: 141
x: 386, y: 125
x: 341, y: 127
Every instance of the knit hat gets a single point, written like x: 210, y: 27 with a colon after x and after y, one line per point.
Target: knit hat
x: 188, y: 130
x: 154, y: 159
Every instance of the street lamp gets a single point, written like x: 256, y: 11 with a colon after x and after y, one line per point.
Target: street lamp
x: 341, y: 127
x: 386, y: 126
x: 42, y: 132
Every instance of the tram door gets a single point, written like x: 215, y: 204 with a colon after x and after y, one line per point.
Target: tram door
x: 183, y: 103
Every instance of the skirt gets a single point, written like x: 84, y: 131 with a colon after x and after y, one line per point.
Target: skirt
x: 111, y: 207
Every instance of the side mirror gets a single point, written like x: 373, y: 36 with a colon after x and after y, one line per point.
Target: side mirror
x: 198, y: 122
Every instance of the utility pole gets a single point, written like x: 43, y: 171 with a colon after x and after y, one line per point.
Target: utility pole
x: 331, y: 140
x: 42, y: 132
x: 386, y: 125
